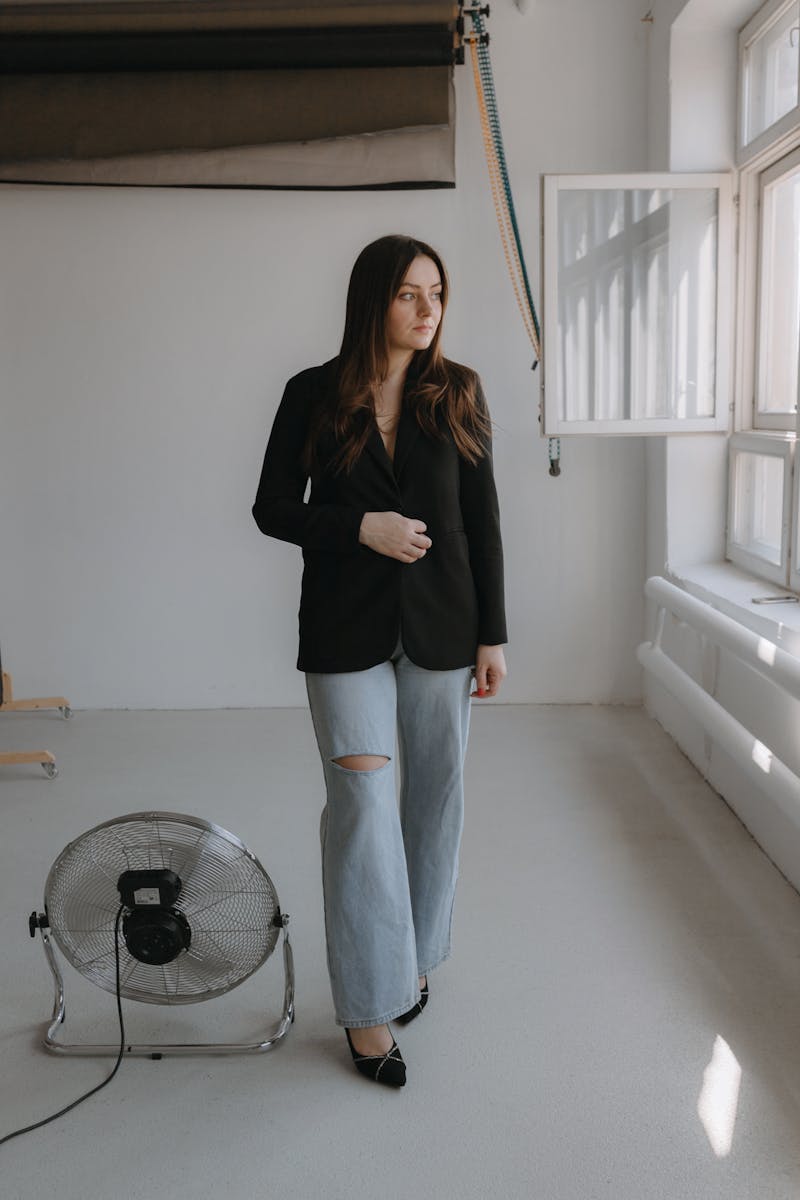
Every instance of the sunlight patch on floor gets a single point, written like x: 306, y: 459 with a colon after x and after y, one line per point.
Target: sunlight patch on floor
x: 719, y: 1098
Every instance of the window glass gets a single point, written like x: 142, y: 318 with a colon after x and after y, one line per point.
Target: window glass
x: 637, y: 279
x: 771, y: 72
x: 779, y: 317
x: 758, y: 504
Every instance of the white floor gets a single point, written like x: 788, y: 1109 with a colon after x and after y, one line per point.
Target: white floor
x: 621, y: 946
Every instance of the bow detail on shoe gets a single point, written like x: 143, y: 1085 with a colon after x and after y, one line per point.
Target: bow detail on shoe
x: 387, y: 1068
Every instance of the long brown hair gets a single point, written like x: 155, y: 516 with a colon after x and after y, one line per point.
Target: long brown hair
x: 442, y: 393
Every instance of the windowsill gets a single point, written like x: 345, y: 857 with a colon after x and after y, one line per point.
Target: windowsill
x: 730, y: 590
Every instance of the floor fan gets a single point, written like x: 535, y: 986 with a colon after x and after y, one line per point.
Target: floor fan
x: 195, y: 915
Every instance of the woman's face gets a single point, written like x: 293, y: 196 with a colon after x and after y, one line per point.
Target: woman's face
x: 416, y: 310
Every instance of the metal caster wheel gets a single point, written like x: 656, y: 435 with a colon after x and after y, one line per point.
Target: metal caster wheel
x: 50, y: 770
x: 66, y: 712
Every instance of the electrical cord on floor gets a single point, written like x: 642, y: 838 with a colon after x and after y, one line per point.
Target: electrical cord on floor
x: 94, y: 1090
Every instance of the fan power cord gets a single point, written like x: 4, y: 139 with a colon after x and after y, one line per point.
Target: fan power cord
x: 120, y: 1056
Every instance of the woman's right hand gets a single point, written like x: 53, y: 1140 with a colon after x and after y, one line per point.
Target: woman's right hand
x: 395, y: 536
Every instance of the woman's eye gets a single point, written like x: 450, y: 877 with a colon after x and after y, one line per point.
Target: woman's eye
x: 413, y: 296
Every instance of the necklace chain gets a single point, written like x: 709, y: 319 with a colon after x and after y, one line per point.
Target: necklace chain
x: 386, y: 420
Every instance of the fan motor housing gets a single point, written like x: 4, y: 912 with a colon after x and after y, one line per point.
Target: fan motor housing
x: 155, y: 932
x: 156, y: 935
x: 140, y: 889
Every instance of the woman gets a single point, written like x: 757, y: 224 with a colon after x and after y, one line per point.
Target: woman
x: 402, y: 595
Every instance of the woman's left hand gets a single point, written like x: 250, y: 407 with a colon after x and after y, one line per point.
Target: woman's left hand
x: 490, y: 671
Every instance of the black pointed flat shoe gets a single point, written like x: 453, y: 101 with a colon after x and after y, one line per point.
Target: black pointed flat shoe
x: 418, y: 1007
x: 387, y: 1068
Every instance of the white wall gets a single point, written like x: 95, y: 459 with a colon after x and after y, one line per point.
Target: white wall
x: 146, y: 334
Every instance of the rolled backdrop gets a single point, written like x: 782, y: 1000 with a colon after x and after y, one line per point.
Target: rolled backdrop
x: 258, y: 93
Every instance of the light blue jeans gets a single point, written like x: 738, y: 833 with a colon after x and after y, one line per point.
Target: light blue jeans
x: 388, y: 873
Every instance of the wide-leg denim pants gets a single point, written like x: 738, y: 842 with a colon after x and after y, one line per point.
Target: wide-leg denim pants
x: 389, y: 872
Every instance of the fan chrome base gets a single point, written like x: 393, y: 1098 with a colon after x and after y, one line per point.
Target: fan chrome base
x: 160, y: 1049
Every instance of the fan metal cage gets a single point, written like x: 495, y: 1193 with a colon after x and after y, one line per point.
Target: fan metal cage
x: 226, y: 897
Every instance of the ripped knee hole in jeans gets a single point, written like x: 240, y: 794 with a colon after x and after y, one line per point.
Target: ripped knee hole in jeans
x: 361, y: 762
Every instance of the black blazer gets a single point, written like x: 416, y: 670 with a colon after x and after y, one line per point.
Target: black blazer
x: 355, y: 602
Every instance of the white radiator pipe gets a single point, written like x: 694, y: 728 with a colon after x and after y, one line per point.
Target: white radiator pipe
x: 756, y: 760
x: 758, y: 652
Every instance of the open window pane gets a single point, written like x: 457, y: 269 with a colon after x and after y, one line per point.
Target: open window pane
x: 632, y: 303
x: 771, y: 71
x: 779, y: 317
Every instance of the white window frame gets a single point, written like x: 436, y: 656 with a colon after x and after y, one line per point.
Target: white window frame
x: 794, y: 553
x: 758, y: 432
x: 772, y: 446
x: 756, y: 26
x: 766, y: 177
x: 552, y: 423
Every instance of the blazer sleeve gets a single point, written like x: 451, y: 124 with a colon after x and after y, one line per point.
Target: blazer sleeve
x: 280, y: 509
x: 481, y: 513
